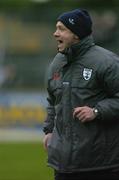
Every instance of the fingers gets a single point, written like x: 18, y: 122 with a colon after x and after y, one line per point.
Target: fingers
x: 76, y: 112
x: 79, y: 111
x: 45, y: 142
x: 46, y: 138
x: 83, y: 114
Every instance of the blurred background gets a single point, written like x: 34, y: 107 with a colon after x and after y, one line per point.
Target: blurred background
x: 27, y: 47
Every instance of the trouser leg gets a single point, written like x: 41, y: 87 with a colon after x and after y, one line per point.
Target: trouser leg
x: 106, y: 175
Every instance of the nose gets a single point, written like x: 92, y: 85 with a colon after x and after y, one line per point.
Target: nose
x: 56, y: 33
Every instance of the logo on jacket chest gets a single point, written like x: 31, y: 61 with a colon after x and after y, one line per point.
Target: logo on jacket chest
x: 87, y: 73
x: 56, y: 76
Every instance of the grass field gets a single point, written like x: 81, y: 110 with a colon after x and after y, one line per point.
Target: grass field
x: 24, y: 161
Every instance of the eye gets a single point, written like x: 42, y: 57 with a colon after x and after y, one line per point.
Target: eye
x: 61, y: 28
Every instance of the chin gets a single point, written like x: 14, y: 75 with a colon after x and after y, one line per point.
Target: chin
x: 60, y: 50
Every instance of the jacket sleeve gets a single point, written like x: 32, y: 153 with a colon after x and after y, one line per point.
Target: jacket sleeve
x: 49, y: 122
x: 109, y: 106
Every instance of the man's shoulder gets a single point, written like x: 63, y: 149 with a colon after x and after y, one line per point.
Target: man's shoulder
x: 58, y: 61
x: 57, y: 64
x: 106, y: 52
x: 102, y: 54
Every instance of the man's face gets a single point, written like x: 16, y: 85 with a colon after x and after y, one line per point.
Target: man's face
x: 64, y: 37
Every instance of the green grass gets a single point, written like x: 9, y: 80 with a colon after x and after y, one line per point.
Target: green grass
x: 24, y: 161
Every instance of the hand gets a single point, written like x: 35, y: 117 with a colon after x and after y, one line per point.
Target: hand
x: 84, y: 114
x: 46, y: 138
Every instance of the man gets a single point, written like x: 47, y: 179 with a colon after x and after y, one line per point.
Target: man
x: 82, y: 127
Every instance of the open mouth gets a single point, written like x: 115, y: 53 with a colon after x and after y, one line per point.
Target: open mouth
x: 60, y: 45
x: 60, y: 42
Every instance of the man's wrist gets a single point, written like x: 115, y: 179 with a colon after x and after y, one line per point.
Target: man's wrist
x: 96, y: 112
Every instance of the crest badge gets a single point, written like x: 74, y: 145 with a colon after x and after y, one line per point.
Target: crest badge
x: 87, y: 73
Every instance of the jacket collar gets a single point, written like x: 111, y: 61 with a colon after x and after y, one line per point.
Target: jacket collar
x: 79, y: 49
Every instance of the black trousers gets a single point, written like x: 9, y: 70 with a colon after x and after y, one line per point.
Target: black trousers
x: 104, y: 174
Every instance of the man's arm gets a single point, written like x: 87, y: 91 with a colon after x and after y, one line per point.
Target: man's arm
x: 49, y: 122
